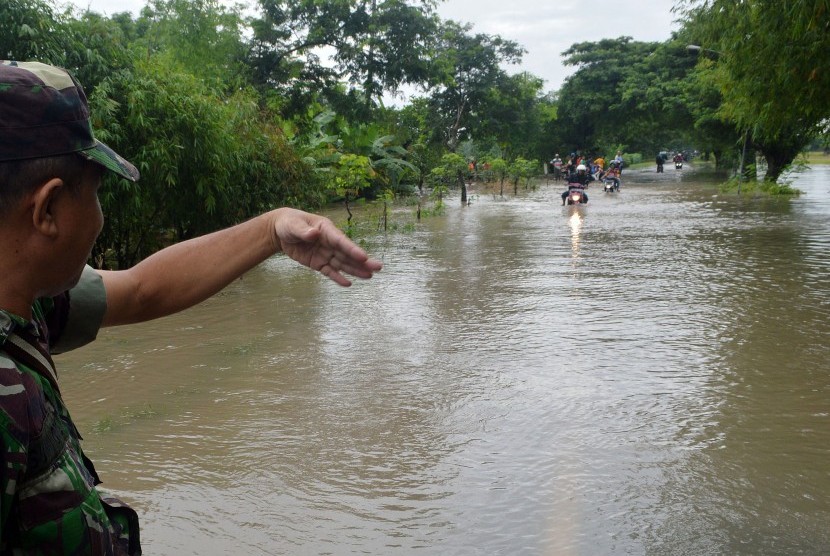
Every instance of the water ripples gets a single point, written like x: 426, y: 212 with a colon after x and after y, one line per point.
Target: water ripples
x: 522, y: 378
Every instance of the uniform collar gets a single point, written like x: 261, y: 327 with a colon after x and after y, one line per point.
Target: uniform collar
x: 9, y: 322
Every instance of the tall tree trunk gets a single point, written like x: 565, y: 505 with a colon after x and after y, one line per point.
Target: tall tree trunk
x: 348, y: 210
x: 779, y: 154
x: 369, y: 84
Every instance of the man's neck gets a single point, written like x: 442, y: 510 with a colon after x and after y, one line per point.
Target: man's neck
x: 15, y: 304
x: 16, y: 295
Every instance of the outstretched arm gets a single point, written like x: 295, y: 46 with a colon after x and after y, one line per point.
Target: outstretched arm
x: 189, y: 272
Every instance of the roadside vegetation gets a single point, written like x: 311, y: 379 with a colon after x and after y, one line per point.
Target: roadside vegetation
x: 228, y: 112
x: 816, y: 157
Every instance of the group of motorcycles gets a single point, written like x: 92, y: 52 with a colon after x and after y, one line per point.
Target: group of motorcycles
x: 576, y: 190
x: 576, y: 194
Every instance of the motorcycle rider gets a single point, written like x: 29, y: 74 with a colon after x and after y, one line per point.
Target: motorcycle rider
x: 570, y: 166
x: 619, y: 160
x: 578, y: 180
x: 613, y: 173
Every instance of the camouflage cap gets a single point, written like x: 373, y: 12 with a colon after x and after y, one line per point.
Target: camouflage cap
x: 44, y: 112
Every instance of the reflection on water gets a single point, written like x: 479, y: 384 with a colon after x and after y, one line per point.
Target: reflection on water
x: 643, y: 375
x: 575, y: 222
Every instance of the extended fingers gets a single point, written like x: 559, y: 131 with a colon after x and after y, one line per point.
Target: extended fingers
x: 329, y: 272
x: 336, y: 265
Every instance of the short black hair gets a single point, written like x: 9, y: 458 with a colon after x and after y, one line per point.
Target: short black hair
x: 19, y: 177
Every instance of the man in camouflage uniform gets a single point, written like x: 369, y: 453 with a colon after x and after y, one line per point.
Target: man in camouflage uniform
x: 50, y: 171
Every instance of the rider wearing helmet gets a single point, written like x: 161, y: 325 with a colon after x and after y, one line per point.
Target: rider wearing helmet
x: 581, y: 176
x: 580, y: 179
x: 613, y: 173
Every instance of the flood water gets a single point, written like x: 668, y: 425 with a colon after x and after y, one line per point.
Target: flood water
x: 649, y: 374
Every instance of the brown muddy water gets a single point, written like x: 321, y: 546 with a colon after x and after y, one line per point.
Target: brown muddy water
x: 649, y: 374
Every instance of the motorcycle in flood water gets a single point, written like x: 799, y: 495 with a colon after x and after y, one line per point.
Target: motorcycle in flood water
x: 576, y: 194
x: 678, y: 165
x: 610, y: 185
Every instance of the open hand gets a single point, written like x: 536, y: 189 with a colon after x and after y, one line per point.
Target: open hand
x: 315, y: 242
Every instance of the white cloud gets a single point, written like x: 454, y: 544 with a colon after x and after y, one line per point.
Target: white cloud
x: 547, y: 28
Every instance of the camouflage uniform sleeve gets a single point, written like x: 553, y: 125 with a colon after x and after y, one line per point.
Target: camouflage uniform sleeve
x: 81, y: 315
x: 14, y: 437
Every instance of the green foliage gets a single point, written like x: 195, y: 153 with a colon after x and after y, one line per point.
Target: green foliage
x: 379, y: 45
x: 465, y: 70
x: 629, y: 159
x: 765, y: 187
x: 330, y: 137
x: 498, y: 166
x: 440, y: 178
x: 515, y: 116
x: 354, y: 172
x: 593, y: 110
x: 655, y: 97
x: 100, y: 48
x: 712, y: 132
x: 206, y: 161
x: 32, y: 31
x: 522, y: 169
x: 454, y: 165
x: 449, y: 172
x: 771, y: 69
x: 389, y: 160
x: 387, y: 156
x: 91, y: 47
x: 203, y: 36
x: 314, y: 144
x: 414, y: 127
x: 771, y: 58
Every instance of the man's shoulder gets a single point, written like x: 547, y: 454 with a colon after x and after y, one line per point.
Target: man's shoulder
x: 16, y: 379
x: 22, y: 404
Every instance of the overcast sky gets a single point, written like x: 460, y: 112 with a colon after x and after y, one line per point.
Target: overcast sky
x: 545, y: 28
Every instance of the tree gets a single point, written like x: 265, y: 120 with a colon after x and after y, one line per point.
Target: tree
x: 204, y: 36
x: 378, y: 45
x: 592, y: 112
x: 391, y: 47
x: 772, y: 68
x: 413, y: 125
x: 515, y: 115
x: 452, y: 169
x: 90, y: 46
x: 499, y: 169
x: 521, y: 168
x: 655, y: 98
x: 466, y: 69
x: 206, y: 161
x: 100, y: 48
x: 31, y: 31
x: 354, y: 173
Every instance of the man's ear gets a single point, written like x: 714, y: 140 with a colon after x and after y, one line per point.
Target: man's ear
x: 44, y: 205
